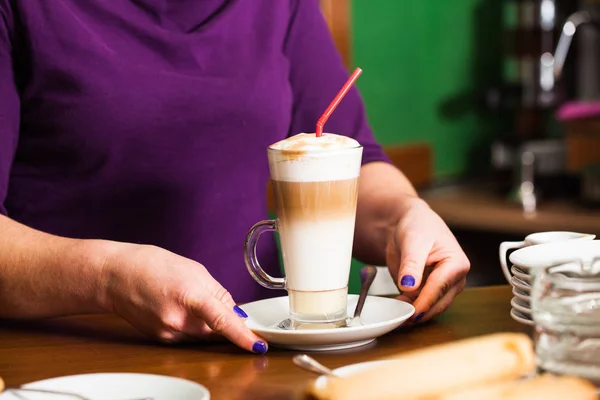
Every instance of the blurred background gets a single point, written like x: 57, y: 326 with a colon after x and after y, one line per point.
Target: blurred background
x: 488, y: 106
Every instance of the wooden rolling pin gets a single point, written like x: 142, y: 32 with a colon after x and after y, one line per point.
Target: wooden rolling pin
x: 1, y: 385
x: 436, y: 370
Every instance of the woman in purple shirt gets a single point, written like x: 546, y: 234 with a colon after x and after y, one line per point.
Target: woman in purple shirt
x: 133, y: 162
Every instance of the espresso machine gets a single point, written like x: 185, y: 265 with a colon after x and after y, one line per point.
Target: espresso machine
x: 555, y: 103
x: 528, y: 159
x: 580, y: 114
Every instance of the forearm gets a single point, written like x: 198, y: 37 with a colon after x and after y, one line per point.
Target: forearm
x: 384, y: 195
x: 43, y: 275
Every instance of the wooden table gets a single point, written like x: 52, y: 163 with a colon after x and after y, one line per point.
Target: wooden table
x: 38, y: 350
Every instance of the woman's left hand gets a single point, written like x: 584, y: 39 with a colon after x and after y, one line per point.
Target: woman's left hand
x: 426, y: 261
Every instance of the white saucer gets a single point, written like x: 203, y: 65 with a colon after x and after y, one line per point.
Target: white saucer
x: 525, y: 277
x: 522, y: 294
x: 520, y: 284
x: 520, y: 317
x: 115, y: 386
x: 520, y: 306
x: 380, y: 316
x: 551, y: 254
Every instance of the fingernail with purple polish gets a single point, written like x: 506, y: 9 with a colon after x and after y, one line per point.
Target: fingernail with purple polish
x: 419, y: 316
x: 239, y: 312
x: 259, y: 347
x: 407, y: 281
x: 363, y: 275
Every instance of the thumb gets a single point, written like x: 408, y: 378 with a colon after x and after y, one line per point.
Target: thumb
x: 414, y: 251
x: 222, y: 319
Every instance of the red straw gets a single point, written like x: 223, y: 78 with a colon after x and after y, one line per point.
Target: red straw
x: 337, y: 99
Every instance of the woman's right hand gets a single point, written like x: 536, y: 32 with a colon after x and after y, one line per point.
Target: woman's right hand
x: 172, y: 298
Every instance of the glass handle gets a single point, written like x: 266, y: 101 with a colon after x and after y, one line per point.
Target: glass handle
x: 251, y: 261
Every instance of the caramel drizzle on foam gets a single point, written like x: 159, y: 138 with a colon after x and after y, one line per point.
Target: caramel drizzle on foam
x: 302, y: 144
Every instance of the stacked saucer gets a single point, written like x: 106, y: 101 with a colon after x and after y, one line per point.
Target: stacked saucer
x: 521, y: 290
x: 522, y: 281
x: 566, y: 258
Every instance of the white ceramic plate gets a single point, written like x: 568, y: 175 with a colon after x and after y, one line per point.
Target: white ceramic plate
x: 569, y: 267
x: 380, y: 316
x: 520, y: 284
x: 523, y: 302
x: 521, y: 306
x: 518, y: 293
x: 551, y: 254
x: 525, y: 280
x: 525, y: 277
x: 520, y: 317
x: 115, y: 386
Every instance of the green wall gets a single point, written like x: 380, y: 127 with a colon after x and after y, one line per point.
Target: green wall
x: 424, y: 64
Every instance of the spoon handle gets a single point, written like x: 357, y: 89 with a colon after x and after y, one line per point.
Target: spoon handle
x: 367, y: 276
x: 310, y: 364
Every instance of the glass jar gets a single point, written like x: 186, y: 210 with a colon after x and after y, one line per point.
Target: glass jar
x: 565, y: 304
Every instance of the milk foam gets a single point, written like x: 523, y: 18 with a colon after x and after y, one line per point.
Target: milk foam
x: 307, y: 158
x: 309, y: 142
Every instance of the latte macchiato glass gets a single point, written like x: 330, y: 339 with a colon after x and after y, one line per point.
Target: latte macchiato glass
x: 315, y: 183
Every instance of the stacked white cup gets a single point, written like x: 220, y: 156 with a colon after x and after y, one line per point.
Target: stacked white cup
x: 520, y: 276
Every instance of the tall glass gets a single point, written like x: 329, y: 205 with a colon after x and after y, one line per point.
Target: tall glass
x: 316, y: 191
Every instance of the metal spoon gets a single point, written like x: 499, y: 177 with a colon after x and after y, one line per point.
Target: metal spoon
x: 308, y: 363
x: 367, y: 276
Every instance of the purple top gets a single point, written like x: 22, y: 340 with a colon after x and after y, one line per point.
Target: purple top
x: 147, y: 121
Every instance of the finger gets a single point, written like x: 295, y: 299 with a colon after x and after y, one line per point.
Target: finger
x: 197, y: 328
x: 165, y: 330
x: 225, y: 297
x: 414, y: 250
x: 223, y: 320
x: 445, y: 302
x: 445, y: 276
x: 410, y: 297
x: 405, y: 298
